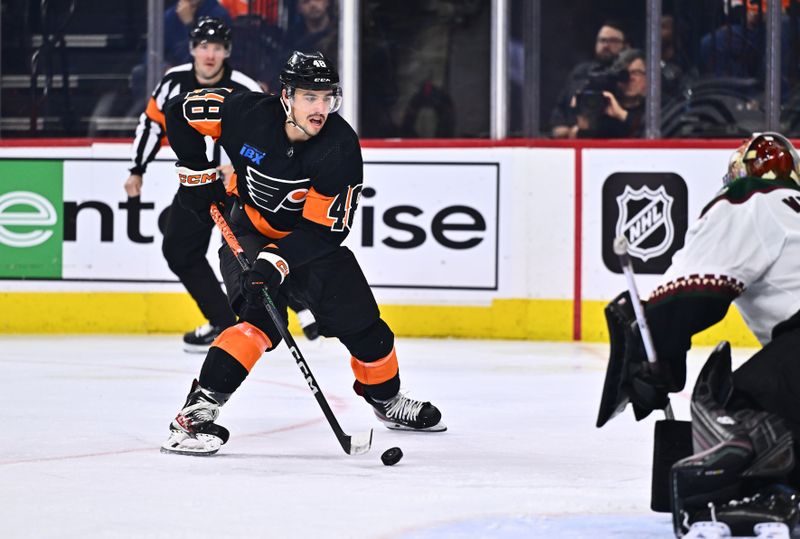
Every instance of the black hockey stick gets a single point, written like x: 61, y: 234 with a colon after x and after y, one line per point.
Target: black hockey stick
x: 672, y: 440
x: 352, y: 445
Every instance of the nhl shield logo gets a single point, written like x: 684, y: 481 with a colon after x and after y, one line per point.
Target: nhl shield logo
x: 645, y: 218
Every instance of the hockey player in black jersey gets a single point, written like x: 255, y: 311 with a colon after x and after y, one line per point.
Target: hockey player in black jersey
x: 298, y: 176
x: 744, y: 249
x: 185, y: 237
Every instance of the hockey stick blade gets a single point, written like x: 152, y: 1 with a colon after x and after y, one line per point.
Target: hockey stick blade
x: 352, y: 445
x: 360, y: 443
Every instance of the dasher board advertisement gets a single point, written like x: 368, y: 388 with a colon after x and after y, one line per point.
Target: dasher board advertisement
x: 419, y: 225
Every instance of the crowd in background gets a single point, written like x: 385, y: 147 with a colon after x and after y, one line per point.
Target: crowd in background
x: 427, y: 80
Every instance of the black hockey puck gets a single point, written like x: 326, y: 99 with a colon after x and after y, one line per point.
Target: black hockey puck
x: 392, y: 456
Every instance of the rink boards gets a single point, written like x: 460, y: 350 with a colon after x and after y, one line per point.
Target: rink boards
x: 472, y: 240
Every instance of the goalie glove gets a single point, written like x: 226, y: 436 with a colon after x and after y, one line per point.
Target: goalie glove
x: 629, y: 376
x: 269, y: 270
x: 200, y: 187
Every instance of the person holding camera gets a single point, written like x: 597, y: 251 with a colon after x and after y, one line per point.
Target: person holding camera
x: 611, y: 105
x: 609, y: 43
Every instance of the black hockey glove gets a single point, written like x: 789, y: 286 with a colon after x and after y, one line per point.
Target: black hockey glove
x: 269, y: 270
x: 200, y: 187
x: 629, y: 376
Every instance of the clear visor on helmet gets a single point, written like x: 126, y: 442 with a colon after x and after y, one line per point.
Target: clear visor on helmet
x: 331, y: 98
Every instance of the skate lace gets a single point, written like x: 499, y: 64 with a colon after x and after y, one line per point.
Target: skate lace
x: 401, y: 407
x: 200, y: 413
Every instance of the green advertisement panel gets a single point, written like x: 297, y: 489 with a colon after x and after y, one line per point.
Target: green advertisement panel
x: 31, y: 206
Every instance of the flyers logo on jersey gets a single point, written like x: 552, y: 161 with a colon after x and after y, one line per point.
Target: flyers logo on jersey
x: 272, y: 194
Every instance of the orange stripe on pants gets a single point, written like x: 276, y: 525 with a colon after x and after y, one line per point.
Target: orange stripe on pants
x: 244, y: 342
x: 375, y: 372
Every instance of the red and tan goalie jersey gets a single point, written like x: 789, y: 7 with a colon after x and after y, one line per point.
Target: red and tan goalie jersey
x: 303, y: 195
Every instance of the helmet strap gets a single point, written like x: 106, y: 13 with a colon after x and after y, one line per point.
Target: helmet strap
x: 287, y: 108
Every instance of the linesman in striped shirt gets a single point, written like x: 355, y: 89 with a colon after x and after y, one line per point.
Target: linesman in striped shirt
x: 186, y: 239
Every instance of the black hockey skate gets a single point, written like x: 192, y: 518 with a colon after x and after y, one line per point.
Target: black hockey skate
x: 199, y: 339
x: 309, y: 324
x: 193, y: 431
x: 402, y: 413
x: 773, y: 509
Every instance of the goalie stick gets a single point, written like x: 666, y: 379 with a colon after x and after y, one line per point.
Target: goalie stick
x: 353, y: 445
x: 621, y: 250
x: 672, y: 440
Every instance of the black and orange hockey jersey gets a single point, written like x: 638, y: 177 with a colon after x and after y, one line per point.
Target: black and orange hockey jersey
x: 302, y: 195
x: 152, y: 129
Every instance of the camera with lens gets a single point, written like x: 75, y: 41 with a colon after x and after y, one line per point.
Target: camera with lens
x: 590, y: 101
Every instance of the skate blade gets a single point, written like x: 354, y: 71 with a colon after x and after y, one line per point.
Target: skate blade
x: 189, y: 452
x: 439, y: 427
x: 196, y: 348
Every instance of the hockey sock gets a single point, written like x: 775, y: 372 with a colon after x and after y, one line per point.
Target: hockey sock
x: 374, y: 361
x: 380, y: 378
x: 231, y: 357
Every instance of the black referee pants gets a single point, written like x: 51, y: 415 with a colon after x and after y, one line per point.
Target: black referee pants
x: 185, y: 246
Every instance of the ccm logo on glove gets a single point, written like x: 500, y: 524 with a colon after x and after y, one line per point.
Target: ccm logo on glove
x: 193, y: 178
x: 277, y: 262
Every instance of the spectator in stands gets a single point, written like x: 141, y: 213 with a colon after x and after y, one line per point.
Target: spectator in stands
x: 610, y: 42
x: 179, y: 20
x: 259, y: 40
x: 674, y: 64
x: 265, y: 9
x: 318, y: 29
x: 736, y: 48
x: 622, y: 115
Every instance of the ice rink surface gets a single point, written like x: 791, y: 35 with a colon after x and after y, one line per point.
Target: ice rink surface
x: 84, y: 418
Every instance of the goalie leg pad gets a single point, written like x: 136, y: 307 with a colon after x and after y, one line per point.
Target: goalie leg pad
x: 732, y: 448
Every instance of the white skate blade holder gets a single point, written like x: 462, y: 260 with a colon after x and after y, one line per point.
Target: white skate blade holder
x: 708, y: 530
x: 202, y: 445
x: 720, y: 530
x: 772, y: 530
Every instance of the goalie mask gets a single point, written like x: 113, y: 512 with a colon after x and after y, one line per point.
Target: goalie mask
x: 768, y: 156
